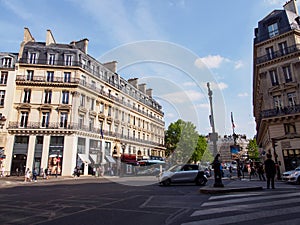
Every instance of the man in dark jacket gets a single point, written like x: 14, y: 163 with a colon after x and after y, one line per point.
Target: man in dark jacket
x: 270, y: 170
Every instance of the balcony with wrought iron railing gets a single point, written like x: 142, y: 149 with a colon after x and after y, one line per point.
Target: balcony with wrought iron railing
x: 283, y: 111
x: 278, y: 54
x: 72, y: 127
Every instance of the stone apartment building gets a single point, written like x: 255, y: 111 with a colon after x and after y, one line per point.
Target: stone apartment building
x: 276, y: 90
x: 61, y: 108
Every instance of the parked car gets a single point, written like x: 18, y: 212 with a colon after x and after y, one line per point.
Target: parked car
x: 188, y: 173
x: 292, y: 176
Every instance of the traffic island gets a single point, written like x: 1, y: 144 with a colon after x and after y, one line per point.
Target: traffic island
x: 220, y: 190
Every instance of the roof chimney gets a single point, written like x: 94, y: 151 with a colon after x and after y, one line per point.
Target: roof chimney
x: 112, y: 66
x: 49, y: 38
x: 133, y: 82
x: 82, y: 44
x: 149, y: 92
x: 142, y: 88
x: 27, y: 38
x: 291, y: 6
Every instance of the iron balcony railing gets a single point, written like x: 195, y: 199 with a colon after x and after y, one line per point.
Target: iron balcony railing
x: 277, y: 54
x: 75, y: 127
x: 90, y: 69
x: 288, y: 110
x: 48, y: 80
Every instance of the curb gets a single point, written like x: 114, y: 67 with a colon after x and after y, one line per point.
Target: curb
x: 212, y: 190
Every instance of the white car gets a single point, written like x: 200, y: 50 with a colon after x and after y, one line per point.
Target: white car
x: 188, y: 173
x: 292, y: 176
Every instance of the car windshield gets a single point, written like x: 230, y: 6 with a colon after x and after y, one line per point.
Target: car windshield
x: 175, y: 168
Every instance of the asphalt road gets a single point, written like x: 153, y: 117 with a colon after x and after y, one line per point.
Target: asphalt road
x: 98, y: 201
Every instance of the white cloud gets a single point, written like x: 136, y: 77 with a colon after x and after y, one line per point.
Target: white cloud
x: 245, y: 94
x: 214, y: 85
x: 211, y: 61
x: 189, y: 84
x: 179, y: 97
x: 203, y: 106
x: 273, y: 2
x: 17, y: 9
x: 238, y: 64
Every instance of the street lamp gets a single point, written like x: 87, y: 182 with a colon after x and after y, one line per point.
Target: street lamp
x: 216, y: 163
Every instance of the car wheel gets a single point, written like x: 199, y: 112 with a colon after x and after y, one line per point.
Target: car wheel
x: 201, y: 181
x: 166, y: 182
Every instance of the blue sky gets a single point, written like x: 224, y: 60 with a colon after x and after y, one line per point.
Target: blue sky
x: 167, y: 43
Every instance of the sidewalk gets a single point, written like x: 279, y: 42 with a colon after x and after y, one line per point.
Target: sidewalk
x: 242, y: 185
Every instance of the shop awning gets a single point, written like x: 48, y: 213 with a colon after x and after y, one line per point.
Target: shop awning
x: 84, y: 158
x: 110, y: 159
x: 94, y: 158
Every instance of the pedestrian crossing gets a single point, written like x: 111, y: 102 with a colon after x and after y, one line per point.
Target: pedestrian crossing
x: 249, y: 208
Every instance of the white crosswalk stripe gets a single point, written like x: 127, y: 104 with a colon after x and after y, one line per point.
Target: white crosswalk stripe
x: 240, y: 208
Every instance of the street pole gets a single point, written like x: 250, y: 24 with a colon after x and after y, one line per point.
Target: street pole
x: 216, y: 163
x: 212, y: 121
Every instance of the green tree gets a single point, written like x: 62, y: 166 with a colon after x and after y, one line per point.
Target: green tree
x: 253, y: 150
x: 199, y: 150
x: 181, y: 140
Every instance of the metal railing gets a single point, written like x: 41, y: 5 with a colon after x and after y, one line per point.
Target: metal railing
x: 277, y: 54
x: 288, y: 110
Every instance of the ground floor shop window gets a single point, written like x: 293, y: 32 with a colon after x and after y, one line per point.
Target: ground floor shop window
x: 291, y: 158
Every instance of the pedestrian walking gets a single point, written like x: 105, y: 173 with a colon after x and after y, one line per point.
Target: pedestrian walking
x: 27, y: 176
x: 260, y: 171
x: 270, y: 170
x: 2, y: 171
x: 230, y: 171
x: 34, y: 175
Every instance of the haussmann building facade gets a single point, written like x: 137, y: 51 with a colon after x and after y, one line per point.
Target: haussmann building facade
x: 61, y: 108
x: 276, y: 89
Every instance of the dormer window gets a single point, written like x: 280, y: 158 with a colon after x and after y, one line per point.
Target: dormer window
x: 273, y: 30
x: 32, y: 58
x: 51, y: 59
x: 7, y: 62
x: 68, y: 60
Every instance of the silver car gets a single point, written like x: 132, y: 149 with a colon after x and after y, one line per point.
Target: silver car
x: 292, y: 176
x: 188, y: 173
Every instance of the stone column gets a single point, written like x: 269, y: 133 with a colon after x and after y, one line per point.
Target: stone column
x: 30, y: 152
x: 45, y: 153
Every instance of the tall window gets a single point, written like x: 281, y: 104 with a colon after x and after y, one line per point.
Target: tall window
x: 48, y: 96
x: 109, y: 111
x: 82, y: 100
x: 273, y: 30
x: 274, y: 77
x: 7, y: 62
x: 81, y: 121
x: 83, y: 79
x: 91, y: 124
x: 287, y: 73
x: 27, y: 95
x: 51, y: 59
x: 3, y: 78
x: 270, y: 52
x: 92, y: 104
x: 45, y: 119
x: 29, y: 75
x: 24, y: 119
x: 277, y: 102
x: 68, y: 60
x: 63, y: 119
x: 67, y: 77
x: 291, y: 98
x: 290, y: 128
x: 65, y: 97
x: 93, y: 85
x: 32, y: 58
x: 101, y: 107
x: 50, y: 76
x: 2, y: 97
x: 283, y: 48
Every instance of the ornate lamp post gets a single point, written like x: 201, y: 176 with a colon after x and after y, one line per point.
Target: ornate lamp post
x: 216, y: 163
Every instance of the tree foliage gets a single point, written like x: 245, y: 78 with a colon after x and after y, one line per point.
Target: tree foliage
x: 181, y: 140
x: 199, y: 150
x: 253, y: 150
